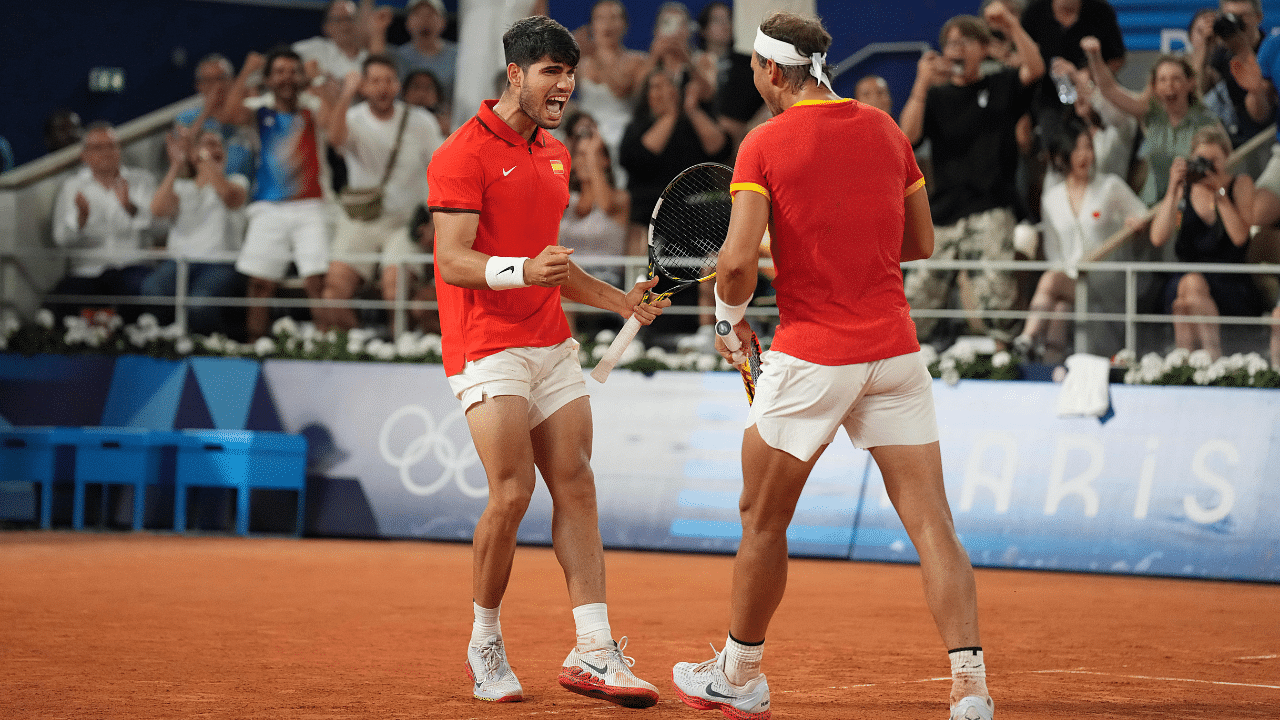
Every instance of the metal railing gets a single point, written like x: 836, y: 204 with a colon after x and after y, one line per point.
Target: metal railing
x: 398, y: 308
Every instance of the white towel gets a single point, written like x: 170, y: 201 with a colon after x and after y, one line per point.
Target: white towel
x: 1084, y: 391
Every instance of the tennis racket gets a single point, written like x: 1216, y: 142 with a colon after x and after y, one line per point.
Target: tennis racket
x: 751, y: 368
x: 687, y: 228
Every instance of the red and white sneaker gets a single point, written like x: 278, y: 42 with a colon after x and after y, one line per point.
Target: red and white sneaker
x: 704, y: 686
x: 605, y: 674
x: 488, y: 668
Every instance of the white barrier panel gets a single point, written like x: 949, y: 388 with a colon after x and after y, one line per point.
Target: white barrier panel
x: 1183, y: 481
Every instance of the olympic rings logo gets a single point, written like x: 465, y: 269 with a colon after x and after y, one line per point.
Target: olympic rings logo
x: 435, y: 442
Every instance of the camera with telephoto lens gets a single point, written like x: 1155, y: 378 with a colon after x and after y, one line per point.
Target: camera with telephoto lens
x: 1198, y: 168
x: 1228, y: 25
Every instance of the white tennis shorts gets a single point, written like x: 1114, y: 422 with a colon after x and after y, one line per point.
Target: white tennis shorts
x: 282, y: 232
x: 548, y: 378
x: 799, y: 405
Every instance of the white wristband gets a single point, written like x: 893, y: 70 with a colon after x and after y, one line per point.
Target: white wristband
x: 505, y: 273
x: 729, y: 313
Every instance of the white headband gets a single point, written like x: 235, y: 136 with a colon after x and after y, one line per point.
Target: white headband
x: 784, y: 53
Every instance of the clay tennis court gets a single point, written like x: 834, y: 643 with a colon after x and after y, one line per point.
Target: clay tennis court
x: 115, y: 625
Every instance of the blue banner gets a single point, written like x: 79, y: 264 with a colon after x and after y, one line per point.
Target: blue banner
x: 1182, y: 481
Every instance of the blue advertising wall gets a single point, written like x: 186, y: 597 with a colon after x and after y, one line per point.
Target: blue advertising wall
x: 1181, y: 482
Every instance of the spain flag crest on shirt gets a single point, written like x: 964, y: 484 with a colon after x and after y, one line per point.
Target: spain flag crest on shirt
x: 557, y: 167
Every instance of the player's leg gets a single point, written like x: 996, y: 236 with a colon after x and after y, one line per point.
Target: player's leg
x: 732, y: 681
x: 797, y: 409
x: 896, y: 421
x: 560, y: 415
x: 771, y: 484
x: 913, y: 478
x: 562, y: 450
x: 499, y: 431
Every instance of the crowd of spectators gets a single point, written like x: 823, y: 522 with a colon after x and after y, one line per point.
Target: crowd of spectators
x: 1031, y: 146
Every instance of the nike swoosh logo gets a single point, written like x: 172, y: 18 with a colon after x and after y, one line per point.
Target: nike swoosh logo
x: 509, y: 268
x: 508, y: 172
x: 712, y: 692
x: 599, y: 670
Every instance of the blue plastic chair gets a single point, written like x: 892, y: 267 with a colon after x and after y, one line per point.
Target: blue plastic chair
x: 28, y: 455
x: 244, y: 460
x: 117, y: 456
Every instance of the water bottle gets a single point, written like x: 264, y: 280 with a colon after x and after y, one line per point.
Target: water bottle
x: 1066, y: 89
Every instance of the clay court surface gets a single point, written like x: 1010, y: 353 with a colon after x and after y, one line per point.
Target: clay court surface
x: 115, y: 625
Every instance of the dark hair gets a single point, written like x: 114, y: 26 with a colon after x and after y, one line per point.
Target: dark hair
x: 572, y: 119
x: 380, y: 59
x: 422, y: 72
x: 807, y: 35
x: 969, y: 26
x: 1193, y: 96
x: 643, y: 110
x: 704, y: 18
x: 1063, y: 143
x: 277, y: 52
x: 534, y: 38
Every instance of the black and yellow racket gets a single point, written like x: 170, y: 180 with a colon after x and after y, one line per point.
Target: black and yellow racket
x: 751, y: 368
x: 687, y: 228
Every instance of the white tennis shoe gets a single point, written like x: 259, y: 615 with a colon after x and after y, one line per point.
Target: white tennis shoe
x: 605, y: 674
x: 705, y: 686
x: 488, y: 668
x: 972, y: 707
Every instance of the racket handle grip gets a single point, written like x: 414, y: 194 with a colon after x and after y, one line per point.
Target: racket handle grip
x: 726, y: 333
x: 616, y: 348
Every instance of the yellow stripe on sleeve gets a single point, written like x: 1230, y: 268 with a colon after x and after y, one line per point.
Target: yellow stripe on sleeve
x: 914, y: 187
x: 736, y: 187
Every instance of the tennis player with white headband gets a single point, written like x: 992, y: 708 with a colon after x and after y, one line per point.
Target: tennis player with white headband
x: 837, y: 185
x: 784, y: 53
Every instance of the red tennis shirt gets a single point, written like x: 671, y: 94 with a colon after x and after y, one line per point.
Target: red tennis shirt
x: 836, y: 175
x: 520, y: 189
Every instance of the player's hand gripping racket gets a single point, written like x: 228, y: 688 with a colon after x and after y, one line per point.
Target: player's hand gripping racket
x: 750, y: 367
x: 688, y: 226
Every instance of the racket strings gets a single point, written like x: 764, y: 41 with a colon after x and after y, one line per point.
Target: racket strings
x: 691, y: 223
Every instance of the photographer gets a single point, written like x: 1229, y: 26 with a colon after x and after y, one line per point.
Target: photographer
x: 1211, y: 212
x: 1237, y: 26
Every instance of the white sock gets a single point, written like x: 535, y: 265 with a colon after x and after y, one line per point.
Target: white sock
x: 742, y: 662
x: 592, y: 621
x: 485, y: 625
x: 968, y: 671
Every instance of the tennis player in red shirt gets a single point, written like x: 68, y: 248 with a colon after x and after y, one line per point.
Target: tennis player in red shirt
x: 498, y: 188
x: 836, y: 184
